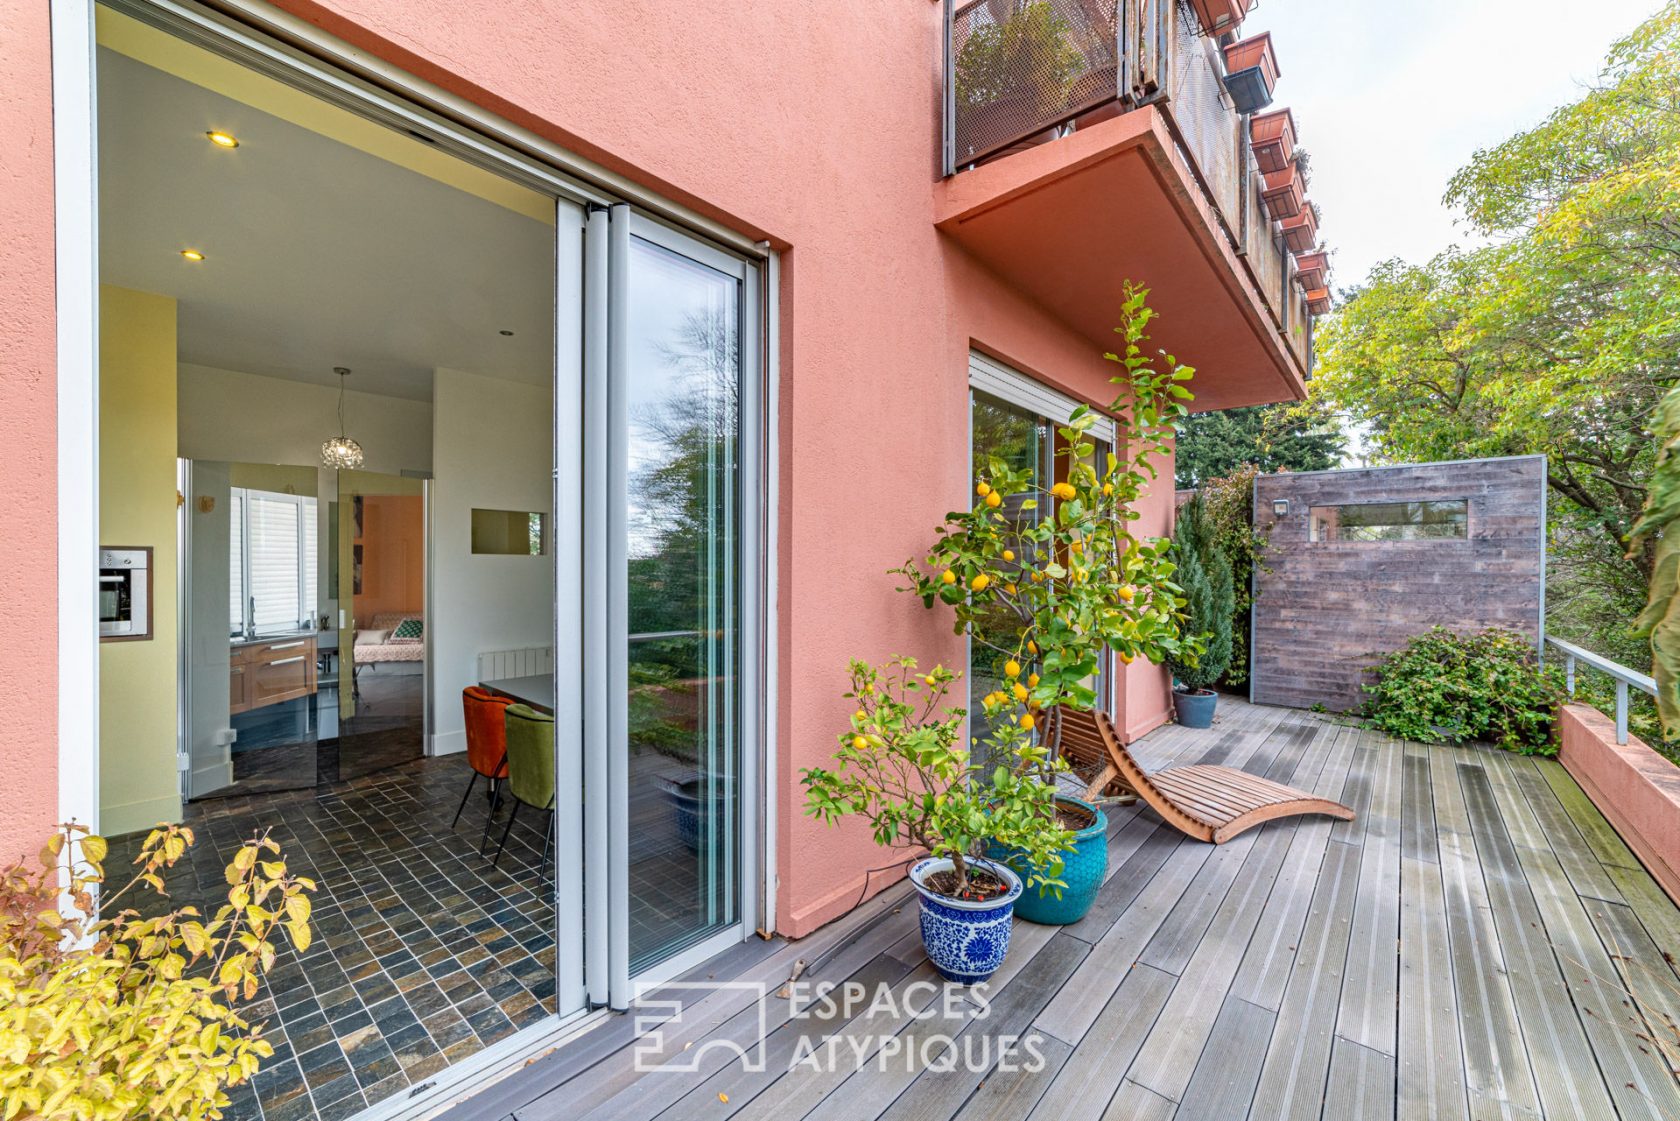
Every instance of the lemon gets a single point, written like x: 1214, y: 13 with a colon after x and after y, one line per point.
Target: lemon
x: 1128, y: 593
x: 1008, y: 555
x: 1032, y: 680
x: 1012, y: 668
x: 1032, y: 647
x: 1027, y: 721
x: 979, y: 582
x: 1108, y: 490
x: 982, y: 490
x: 1077, y: 547
x: 859, y: 742
x: 1064, y: 491
x: 994, y: 499
x: 948, y: 576
x: 1010, y: 588
x: 1020, y: 691
x: 1126, y: 658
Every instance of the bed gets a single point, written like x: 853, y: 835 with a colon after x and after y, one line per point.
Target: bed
x: 380, y: 642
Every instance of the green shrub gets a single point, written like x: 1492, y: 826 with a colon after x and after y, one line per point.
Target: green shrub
x: 1447, y: 687
x: 1204, y: 572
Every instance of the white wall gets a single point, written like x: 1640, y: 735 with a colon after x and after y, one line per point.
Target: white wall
x: 208, y: 536
x: 247, y: 418
x: 492, y: 448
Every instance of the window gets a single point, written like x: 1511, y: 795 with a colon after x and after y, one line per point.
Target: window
x: 509, y: 532
x: 271, y: 562
x: 1438, y: 520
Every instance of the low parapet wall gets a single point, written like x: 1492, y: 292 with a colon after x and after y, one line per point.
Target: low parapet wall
x: 1636, y: 789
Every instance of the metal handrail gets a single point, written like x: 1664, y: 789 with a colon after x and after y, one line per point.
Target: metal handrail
x: 1623, y: 677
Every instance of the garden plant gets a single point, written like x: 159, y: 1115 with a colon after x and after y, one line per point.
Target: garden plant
x: 124, y: 1017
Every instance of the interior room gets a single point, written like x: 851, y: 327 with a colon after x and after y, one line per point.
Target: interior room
x: 326, y: 367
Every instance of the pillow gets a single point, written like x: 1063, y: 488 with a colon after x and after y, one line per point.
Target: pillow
x: 410, y: 630
x: 371, y: 638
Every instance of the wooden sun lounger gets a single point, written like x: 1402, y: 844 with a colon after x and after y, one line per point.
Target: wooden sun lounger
x: 1209, y: 803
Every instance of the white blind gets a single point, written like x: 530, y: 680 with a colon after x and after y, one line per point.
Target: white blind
x: 236, y: 563
x: 990, y: 376
x: 276, y: 547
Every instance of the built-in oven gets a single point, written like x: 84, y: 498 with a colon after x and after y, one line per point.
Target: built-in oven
x: 125, y: 593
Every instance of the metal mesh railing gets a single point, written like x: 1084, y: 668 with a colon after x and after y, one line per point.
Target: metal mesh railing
x: 1022, y: 67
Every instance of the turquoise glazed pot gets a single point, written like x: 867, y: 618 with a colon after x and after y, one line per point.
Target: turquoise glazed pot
x: 965, y: 941
x: 1083, y: 868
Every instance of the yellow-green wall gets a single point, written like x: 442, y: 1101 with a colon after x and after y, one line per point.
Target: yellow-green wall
x: 139, y: 783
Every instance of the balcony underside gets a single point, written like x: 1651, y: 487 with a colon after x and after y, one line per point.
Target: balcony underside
x: 1070, y: 221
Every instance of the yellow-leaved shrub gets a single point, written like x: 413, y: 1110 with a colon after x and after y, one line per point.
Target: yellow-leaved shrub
x: 113, y: 1014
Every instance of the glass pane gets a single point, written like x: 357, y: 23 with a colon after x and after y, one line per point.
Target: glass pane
x: 1444, y: 519
x: 508, y: 532
x: 684, y: 376
x: 236, y: 564
x: 1021, y: 441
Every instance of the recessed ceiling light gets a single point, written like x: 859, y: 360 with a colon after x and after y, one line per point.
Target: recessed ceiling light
x: 222, y: 139
x: 509, y: 334
x: 192, y: 254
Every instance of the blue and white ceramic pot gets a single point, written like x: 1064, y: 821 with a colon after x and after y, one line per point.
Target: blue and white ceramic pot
x: 966, y: 941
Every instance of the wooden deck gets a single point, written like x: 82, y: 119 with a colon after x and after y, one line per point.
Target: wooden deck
x: 1458, y: 950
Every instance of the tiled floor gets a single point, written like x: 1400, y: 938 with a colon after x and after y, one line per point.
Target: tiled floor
x: 425, y: 952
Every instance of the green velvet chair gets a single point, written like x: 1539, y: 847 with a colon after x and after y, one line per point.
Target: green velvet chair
x: 530, y: 769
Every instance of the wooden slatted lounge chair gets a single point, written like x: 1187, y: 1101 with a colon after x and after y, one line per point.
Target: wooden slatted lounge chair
x: 1209, y: 803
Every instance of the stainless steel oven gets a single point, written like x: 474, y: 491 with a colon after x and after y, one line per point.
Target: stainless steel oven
x: 125, y: 593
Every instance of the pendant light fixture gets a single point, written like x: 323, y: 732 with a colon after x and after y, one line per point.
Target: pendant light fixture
x: 341, y: 451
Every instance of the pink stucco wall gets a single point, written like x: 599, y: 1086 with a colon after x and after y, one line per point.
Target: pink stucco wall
x: 28, y: 414
x: 813, y: 126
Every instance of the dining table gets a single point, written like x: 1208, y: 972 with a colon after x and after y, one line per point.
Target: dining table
x: 536, y: 691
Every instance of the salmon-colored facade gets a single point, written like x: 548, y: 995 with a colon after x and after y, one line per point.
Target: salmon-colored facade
x: 818, y: 130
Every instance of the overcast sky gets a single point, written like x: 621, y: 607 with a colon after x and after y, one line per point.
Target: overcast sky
x: 1392, y: 98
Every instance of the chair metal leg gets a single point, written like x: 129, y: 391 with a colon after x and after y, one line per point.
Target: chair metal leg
x: 513, y: 812
x: 548, y: 842
x: 464, y: 798
x: 490, y: 818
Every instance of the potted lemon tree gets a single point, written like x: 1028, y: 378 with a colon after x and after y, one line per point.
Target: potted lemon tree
x: 904, y: 766
x: 1046, y: 576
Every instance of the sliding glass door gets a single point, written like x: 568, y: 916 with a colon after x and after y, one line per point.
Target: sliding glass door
x: 682, y: 416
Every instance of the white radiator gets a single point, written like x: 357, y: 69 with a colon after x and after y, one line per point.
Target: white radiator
x: 502, y: 664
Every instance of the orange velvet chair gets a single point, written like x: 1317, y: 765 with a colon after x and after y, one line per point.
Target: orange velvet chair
x: 486, y: 715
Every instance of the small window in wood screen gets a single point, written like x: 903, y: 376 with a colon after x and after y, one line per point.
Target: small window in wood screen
x: 1439, y: 520
x: 516, y: 533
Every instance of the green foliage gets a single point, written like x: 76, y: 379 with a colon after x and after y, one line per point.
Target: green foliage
x: 1204, y: 572
x: 1557, y: 337
x: 1446, y: 687
x: 1659, y: 623
x: 902, y: 766
x: 1287, y: 436
x: 1029, y: 55
x: 1228, y: 505
x: 129, y: 1017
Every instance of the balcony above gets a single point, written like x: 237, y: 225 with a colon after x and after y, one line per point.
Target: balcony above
x: 1090, y: 142
x: 1070, y: 222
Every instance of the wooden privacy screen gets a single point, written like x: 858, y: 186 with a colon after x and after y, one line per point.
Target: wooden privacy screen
x: 1366, y: 559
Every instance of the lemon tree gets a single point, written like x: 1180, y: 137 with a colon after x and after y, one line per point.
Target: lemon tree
x: 903, y: 766
x: 1078, y: 580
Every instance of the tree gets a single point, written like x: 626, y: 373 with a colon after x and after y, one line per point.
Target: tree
x: 1559, y: 337
x: 1204, y: 572
x: 1282, y: 437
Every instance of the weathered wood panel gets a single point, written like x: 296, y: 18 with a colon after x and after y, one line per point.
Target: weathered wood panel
x: 1325, y: 611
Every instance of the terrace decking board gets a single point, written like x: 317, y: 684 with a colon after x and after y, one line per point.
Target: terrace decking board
x: 1370, y: 986
x: 1434, y: 958
x: 1430, y: 1051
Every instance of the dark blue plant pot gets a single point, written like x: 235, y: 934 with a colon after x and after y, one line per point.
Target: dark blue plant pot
x: 1083, y: 868
x: 1195, y: 710
x: 965, y: 941
x: 691, y: 818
